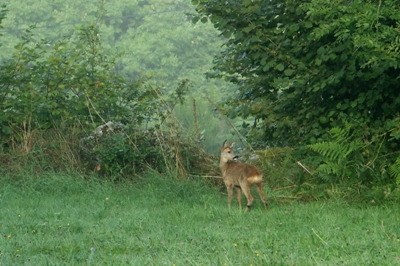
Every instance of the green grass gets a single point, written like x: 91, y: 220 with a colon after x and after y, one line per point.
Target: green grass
x: 61, y: 219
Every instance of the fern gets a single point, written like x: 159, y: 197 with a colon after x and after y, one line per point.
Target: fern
x: 330, y: 150
x: 394, y: 170
x: 340, y: 155
x: 340, y: 134
x: 352, y: 163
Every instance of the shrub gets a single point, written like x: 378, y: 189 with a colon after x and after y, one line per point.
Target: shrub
x: 355, y: 163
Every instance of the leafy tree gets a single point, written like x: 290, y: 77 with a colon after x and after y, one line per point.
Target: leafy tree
x: 42, y: 85
x: 155, y: 37
x: 73, y: 80
x: 3, y: 12
x: 158, y: 37
x: 306, y: 66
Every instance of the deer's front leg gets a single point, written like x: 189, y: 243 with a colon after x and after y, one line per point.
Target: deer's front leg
x: 229, y: 187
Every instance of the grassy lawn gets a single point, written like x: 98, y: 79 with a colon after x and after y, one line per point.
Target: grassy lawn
x: 65, y: 220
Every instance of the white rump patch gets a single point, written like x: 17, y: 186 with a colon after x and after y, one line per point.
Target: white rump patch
x: 255, y: 179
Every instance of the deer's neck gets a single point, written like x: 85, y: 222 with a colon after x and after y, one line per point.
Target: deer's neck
x: 222, y: 165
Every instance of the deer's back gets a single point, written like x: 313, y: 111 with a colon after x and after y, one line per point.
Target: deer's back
x: 237, y: 171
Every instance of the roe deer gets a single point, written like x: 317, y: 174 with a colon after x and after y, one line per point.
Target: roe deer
x: 240, y: 175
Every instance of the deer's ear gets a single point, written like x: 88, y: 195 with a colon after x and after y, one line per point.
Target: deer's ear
x: 224, y: 144
x: 233, y: 143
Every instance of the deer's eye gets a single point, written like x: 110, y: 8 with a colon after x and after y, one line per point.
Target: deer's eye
x: 229, y: 151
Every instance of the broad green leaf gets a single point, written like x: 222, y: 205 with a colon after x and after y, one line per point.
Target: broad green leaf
x: 323, y: 120
x: 7, y: 130
x: 289, y: 72
x: 249, y: 28
x: 280, y: 67
x: 195, y: 19
x: 308, y: 24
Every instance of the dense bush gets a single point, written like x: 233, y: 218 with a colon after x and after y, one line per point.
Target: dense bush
x: 44, y: 85
x: 68, y: 88
x: 131, y: 151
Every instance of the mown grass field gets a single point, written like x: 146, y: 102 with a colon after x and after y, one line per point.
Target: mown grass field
x: 62, y: 219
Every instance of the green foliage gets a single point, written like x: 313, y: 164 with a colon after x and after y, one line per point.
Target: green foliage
x: 50, y: 86
x: 156, y: 37
x: 119, y: 157
x: 56, y: 83
x: 67, y: 81
x: 342, y: 156
x: 122, y: 155
x: 304, y: 67
x: 355, y: 164
x: 395, y: 170
x: 200, y: 119
x: 46, y: 85
x: 3, y: 13
x: 73, y: 81
x: 279, y: 170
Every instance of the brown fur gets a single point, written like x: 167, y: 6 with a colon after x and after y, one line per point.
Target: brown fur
x: 240, y: 175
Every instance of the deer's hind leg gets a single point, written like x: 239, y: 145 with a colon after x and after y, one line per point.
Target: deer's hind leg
x: 246, y: 191
x: 261, y: 192
x: 239, y: 196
